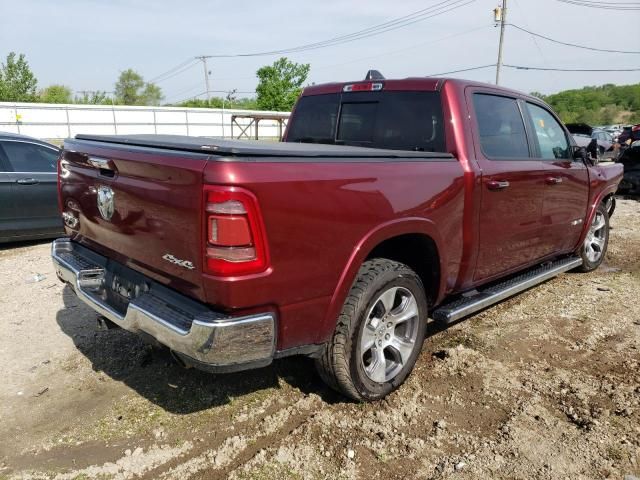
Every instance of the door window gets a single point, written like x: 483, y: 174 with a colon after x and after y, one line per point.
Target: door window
x: 501, y: 128
x: 28, y: 157
x: 552, y: 141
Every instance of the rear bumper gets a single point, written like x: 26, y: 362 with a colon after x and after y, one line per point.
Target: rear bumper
x: 202, y: 337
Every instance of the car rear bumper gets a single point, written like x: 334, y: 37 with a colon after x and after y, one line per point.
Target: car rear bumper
x: 202, y: 337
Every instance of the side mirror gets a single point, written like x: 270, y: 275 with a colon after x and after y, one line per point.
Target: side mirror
x: 580, y: 153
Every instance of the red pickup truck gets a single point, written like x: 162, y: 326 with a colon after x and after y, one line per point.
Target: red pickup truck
x: 388, y: 203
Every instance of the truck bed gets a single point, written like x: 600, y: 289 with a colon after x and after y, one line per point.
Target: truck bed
x: 261, y: 149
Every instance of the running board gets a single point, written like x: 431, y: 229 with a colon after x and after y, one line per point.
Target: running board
x: 466, y: 305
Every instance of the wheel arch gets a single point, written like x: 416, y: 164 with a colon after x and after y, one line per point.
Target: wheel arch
x: 593, y: 206
x: 397, y: 240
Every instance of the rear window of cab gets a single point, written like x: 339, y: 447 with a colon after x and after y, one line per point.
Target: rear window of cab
x: 384, y: 119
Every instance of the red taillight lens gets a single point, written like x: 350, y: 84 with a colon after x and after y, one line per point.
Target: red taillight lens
x: 235, y: 238
x: 229, y: 230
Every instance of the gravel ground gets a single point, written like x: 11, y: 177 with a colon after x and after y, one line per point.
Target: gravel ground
x: 543, y: 386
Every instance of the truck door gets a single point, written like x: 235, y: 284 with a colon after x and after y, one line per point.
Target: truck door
x: 567, y: 181
x: 511, y: 234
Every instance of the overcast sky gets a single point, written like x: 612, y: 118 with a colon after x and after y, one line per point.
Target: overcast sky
x: 86, y: 43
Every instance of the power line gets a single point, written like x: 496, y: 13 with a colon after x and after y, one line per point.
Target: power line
x: 480, y: 67
x: 604, y: 5
x: 572, y: 44
x: 521, y: 67
x: 168, y: 73
x: 401, y: 22
x: 176, y: 73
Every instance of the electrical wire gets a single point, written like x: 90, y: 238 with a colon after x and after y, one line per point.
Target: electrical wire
x: 521, y: 67
x: 572, y: 44
x: 630, y: 6
x: 480, y: 67
x: 401, y: 22
x: 411, y: 47
x: 161, y: 77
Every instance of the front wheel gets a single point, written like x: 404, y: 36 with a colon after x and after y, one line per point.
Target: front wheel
x: 595, y: 244
x: 379, y: 332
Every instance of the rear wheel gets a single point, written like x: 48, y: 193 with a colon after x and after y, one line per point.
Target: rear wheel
x: 379, y: 333
x: 595, y: 244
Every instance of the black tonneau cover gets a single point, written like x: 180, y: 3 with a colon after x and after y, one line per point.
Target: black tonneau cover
x: 255, y: 148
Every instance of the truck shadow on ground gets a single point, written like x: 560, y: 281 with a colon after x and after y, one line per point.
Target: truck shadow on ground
x: 156, y: 376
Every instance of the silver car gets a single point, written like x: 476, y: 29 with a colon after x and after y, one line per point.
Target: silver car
x: 584, y: 134
x: 28, y: 189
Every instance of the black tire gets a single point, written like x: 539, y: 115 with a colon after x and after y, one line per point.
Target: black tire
x: 341, y: 362
x: 589, y: 263
x: 610, y: 205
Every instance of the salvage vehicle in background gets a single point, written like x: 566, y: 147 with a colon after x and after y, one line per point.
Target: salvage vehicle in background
x: 28, y: 191
x: 598, y: 141
x: 390, y: 202
x: 630, y: 159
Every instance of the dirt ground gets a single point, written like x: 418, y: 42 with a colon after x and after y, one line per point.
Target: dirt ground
x: 543, y: 386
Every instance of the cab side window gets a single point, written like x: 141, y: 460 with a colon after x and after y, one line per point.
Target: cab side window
x: 551, y: 138
x: 501, y: 127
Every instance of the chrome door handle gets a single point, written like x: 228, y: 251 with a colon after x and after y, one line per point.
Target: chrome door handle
x: 27, y: 181
x: 553, y: 180
x: 497, y: 185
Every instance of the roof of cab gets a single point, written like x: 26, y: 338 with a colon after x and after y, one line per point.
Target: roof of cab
x: 425, y: 84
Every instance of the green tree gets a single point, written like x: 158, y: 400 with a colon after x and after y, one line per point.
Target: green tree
x: 131, y: 89
x: 217, y: 102
x: 17, y: 81
x: 93, y: 98
x: 56, y: 94
x: 152, y: 94
x: 280, y: 84
x: 604, y: 104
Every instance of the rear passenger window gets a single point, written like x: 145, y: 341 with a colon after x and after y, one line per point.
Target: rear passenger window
x: 501, y: 128
x: 28, y: 157
x: 552, y: 141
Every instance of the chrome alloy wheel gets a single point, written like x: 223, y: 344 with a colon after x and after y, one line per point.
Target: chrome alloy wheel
x: 596, y: 238
x: 389, y: 335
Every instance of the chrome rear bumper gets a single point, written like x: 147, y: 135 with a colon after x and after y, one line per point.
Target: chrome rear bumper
x: 202, y: 337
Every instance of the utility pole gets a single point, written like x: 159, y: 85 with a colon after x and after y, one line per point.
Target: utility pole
x: 500, y: 15
x: 203, y: 58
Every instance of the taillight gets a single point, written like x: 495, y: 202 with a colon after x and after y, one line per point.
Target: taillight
x: 235, y: 242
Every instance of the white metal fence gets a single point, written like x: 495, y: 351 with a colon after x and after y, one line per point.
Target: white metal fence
x: 58, y: 121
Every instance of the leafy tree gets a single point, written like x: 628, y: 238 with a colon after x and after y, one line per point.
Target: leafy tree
x: 132, y: 90
x: 17, y: 81
x: 152, y: 94
x: 216, y: 102
x: 601, y: 105
x: 280, y: 84
x: 56, y: 94
x: 93, y: 98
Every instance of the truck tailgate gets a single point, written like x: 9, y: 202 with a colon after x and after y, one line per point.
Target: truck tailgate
x: 155, y: 223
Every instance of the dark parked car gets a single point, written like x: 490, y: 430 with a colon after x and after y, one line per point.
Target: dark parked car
x: 28, y: 189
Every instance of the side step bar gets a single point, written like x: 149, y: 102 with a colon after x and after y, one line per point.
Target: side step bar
x: 466, y: 305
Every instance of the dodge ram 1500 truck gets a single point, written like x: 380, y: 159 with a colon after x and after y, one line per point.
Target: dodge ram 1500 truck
x: 389, y: 202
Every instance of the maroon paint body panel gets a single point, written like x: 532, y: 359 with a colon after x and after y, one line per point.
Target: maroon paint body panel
x: 323, y: 217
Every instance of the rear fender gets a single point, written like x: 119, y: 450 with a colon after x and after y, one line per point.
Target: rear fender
x: 372, y: 239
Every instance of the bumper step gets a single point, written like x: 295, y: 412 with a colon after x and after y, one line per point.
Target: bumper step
x: 466, y: 305
x: 201, y: 336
